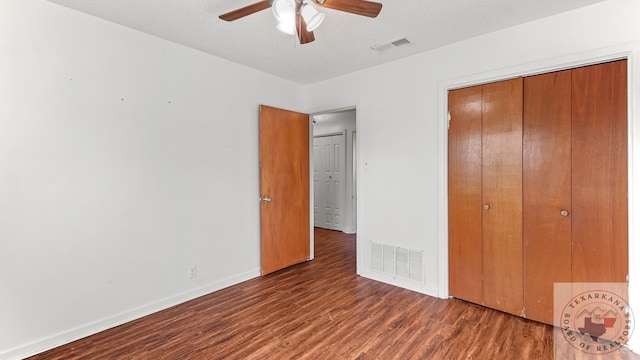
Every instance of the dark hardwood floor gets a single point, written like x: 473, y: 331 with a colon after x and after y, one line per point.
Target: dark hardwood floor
x: 321, y: 310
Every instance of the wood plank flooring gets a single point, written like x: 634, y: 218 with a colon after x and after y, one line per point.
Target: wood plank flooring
x: 321, y: 310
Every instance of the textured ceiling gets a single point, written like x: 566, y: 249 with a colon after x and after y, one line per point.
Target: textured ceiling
x: 343, y: 41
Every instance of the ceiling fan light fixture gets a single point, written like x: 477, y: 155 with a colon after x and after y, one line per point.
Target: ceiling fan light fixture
x: 311, y: 16
x: 284, y: 10
x: 285, y: 13
x: 286, y: 27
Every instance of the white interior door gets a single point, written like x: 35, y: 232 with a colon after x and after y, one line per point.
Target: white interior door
x: 329, y: 181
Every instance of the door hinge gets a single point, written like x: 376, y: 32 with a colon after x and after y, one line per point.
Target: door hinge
x: 448, y: 120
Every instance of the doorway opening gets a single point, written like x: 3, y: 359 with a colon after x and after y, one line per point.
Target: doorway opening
x: 334, y: 170
x: 334, y: 160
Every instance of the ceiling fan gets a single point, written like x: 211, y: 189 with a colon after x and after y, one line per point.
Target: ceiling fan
x: 300, y: 16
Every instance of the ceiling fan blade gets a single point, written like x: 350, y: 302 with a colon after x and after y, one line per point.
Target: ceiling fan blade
x: 247, y: 10
x: 358, y: 7
x: 304, y: 36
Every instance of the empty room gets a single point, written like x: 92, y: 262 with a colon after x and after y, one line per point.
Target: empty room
x: 319, y: 179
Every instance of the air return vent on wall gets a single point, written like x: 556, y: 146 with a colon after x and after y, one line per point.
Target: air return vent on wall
x: 397, y: 261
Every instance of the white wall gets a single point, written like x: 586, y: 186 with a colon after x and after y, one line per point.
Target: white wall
x: 401, y: 116
x: 339, y: 122
x: 124, y: 159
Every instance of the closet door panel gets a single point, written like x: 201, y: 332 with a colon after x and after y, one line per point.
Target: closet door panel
x: 502, y: 195
x: 599, y: 181
x: 546, y: 190
x: 465, y: 190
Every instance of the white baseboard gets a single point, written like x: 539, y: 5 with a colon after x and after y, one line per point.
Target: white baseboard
x: 80, y: 332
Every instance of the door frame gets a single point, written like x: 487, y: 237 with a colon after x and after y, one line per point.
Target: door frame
x: 357, y: 168
x: 631, y: 52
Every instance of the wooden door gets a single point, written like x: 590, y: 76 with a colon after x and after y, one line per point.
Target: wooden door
x: 502, y: 285
x: 546, y: 190
x: 284, y: 188
x: 575, y: 181
x: 465, y: 194
x: 553, y: 165
x: 485, y: 195
x: 599, y: 173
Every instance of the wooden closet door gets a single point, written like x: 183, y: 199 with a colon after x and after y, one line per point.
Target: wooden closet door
x: 465, y: 191
x: 599, y: 179
x: 546, y: 190
x: 502, y: 195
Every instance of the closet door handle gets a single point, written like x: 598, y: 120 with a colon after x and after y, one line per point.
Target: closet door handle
x: 564, y: 213
x: 486, y: 206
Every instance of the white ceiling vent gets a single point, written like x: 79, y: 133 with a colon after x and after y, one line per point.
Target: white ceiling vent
x: 400, y: 42
x: 386, y: 46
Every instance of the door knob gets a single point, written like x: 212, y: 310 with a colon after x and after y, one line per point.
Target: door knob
x: 265, y: 199
x: 486, y: 206
x: 564, y: 213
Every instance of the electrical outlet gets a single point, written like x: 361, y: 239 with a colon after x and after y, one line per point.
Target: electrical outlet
x: 193, y: 272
